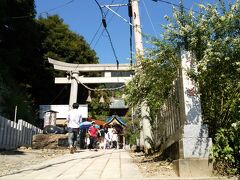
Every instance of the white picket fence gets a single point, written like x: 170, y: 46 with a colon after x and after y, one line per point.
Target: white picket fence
x: 13, y: 135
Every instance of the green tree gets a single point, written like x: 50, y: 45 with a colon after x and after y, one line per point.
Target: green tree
x: 213, y: 35
x: 59, y: 43
x: 152, y: 84
x: 27, y: 79
x: 18, y: 46
x: 62, y: 44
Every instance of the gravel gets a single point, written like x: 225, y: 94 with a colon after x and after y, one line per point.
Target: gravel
x: 153, y: 167
x: 13, y: 161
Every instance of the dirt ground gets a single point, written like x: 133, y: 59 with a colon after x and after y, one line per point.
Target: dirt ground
x: 13, y: 161
x: 153, y: 167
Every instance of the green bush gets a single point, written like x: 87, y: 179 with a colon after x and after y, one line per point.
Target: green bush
x: 226, y: 150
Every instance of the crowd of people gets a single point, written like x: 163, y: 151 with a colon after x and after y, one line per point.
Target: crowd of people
x: 95, y: 138
x: 102, y: 138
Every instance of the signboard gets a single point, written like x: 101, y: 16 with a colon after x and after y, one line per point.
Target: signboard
x: 50, y: 118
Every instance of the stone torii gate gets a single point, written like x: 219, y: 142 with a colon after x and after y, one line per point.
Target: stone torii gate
x: 75, y: 69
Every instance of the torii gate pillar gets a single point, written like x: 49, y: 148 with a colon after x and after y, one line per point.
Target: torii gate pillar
x: 74, y: 89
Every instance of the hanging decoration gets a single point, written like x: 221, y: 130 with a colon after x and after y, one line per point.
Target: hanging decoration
x: 102, y: 99
x: 89, y: 99
x: 112, y: 98
x: 123, y: 96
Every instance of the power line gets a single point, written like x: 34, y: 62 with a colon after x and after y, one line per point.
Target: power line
x: 130, y: 32
x: 114, y: 52
x: 173, y: 4
x: 145, y: 7
x: 58, y: 7
x: 105, y: 27
x: 99, y: 27
x: 60, y: 92
x: 109, y: 37
x: 21, y: 17
x: 100, y: 8
x: 44, y: 12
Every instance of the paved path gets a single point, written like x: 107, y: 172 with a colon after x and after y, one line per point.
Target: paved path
x: 109, y: 164
x: 85, y: 164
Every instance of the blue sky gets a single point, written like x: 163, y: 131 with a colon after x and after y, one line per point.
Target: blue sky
x: 84, y: 18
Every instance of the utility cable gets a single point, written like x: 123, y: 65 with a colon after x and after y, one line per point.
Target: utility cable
x: 173, y: 4
x: 130, y: 31
x: 97, y: 31
x: 99, y: 27
x: 109, y: 37
x: 94, y: 37
x: 44, y: 12
x: 145, y: 7
x: 58, y: 7
x: 114, y: 52
x: 21, y: 17
x: 63, y: 5
x: 105, y: 26
x: 103, y: 29
x: 60, y: 92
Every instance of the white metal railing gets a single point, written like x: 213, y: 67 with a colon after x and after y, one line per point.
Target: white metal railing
x: 13, y: 135
x: 169, y: 117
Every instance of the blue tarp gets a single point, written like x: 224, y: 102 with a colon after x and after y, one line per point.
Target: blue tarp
x: 87, y: 124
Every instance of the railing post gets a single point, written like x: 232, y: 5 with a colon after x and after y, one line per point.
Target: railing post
x: 194, y: 144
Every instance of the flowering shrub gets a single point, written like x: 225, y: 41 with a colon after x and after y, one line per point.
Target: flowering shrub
x: 226, y: 150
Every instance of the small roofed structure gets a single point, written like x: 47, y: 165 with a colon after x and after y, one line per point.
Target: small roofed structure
x: 118, y: 124
x: 114, y: 119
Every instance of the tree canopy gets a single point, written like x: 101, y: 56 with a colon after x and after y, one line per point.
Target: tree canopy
x: 213, y: 34
x: 62, y: 44
x: 27, y: 79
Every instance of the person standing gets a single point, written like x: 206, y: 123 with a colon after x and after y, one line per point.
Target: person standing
x: 74, y: 119
x: 93, y: 135
x: 110, y: 132
x: 106, y: 139
x: 114, y: 139
x: 101, y: 136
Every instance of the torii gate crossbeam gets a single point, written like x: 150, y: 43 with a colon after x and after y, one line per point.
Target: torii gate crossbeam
x: 75, y: 69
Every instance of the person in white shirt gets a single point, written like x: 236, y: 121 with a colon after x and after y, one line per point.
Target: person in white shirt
x: 107, y: 139
x: 74, y: 119
x: 110, y: 131
x: 114, y: 139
